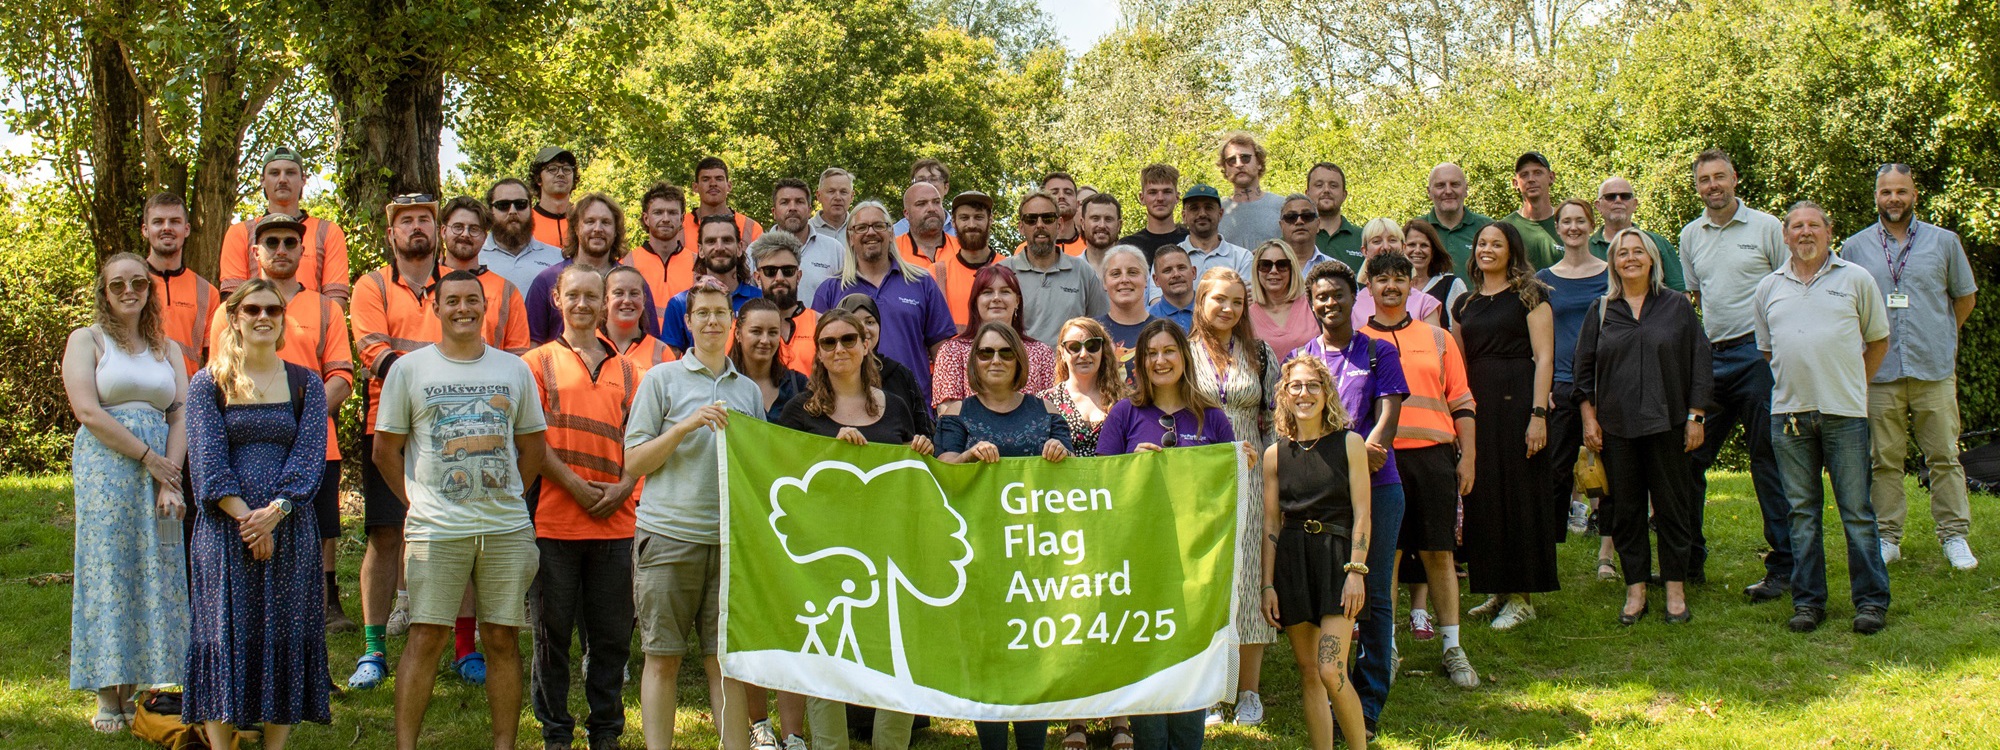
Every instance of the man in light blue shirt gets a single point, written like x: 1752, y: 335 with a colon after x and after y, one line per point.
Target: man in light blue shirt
x: 511, y: 249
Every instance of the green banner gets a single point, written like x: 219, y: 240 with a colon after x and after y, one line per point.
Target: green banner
x: 1017, y: 590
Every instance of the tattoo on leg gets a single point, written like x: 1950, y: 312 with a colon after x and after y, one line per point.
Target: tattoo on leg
x: 1329, y: 649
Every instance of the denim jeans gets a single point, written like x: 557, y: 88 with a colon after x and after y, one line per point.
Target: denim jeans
x: 1169, y: 731
x: 1806, y: 443
x: 583, y: 585
x: 1743, y: 396
x: 1373, y: 672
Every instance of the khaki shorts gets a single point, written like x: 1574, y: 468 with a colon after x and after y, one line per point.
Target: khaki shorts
x: 677, y: 588
x: 500, y: 567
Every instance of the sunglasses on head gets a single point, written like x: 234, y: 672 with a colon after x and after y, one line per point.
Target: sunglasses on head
x: 516, y: 204
x: 843, y: 341
x: 1616, y: 197
x: 281, y: 243
x: 779, y: 271
x: 413, y: 198
x: 988, y: 354
x: 1172, y: 436
x: 1093, y: 345
x: 253, y: 310
x: 1269, y: 266
x: 1042, y: 218
x: 1299, y: 217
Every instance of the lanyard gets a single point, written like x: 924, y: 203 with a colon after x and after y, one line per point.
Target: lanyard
x: 1222, y: 371
x: 1898, y: 261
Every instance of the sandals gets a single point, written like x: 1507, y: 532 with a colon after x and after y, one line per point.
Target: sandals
x: 1121, y: 738
x: 1606, y: 569
x: 1074, y: 738
x: 369, y: 671
x: 109, y: 722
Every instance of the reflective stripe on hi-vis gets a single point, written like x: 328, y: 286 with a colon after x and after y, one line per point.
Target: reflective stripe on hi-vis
x: 325, y: 319
x: 319, y: 251
x: 202, y: 317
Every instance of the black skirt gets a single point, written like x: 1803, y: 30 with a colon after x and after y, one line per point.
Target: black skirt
x: 1308, y: 577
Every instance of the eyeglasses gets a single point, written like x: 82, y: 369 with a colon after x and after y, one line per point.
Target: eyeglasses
x: 122, y: 286
x: 1302, y: 387
x: 1615, y: 197
x: 281, y: 243
x: 463, y: 229
x: 559, y: 169
x: 988, y: 354
x: 873, y: 226
x: 250, y: 310
x: 1241, y: 159
x: 517, y: 204
x: 1299, y: 217
x: 1172, y: 436
x: 843, y: 341
x: 413, y: 198
x: 779, y: 272
x: 1028, y: 220
x: 1273, y: 266
x: 1093, y: 345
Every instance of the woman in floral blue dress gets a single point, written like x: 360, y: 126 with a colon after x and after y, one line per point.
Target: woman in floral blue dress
x: 258, y: 650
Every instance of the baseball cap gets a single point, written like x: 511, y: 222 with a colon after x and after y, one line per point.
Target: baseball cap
x: 553, y: 153
x: 276, y: 221
x: 1201, y: 191
x: 1532, y: 157
x: 281, y: 153
x: 409, y: 201
x: 972, y: 198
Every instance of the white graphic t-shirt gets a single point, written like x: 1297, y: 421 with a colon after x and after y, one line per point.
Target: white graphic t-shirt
x: 463, y: 479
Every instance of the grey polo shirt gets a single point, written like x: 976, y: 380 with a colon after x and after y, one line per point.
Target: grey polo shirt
x: 1923, y: 338
x: 1225, y: 255
x: 1814, y: 330
x: 1068, y: 289
x: 1250, y: 224
x: 819, y: 259
x: 1725, y: 263
x: 821, y: 227
x: 520, y: 268
x: 682, y: 499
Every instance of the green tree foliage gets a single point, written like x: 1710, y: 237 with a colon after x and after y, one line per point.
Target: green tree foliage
x: 47, y: 295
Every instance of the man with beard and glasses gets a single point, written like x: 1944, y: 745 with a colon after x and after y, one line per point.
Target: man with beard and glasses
x: 553, y: 175
x: 187, y: 301
x: 835, y: 193
x: 1159, y: 191
x: 1102, y: 218
x: 465, y: 229
x: 721, y: 259
x: 665, y: 256
x: 1055, y: 286
x: 972, y: 211
x: 1929, y: 289
x: 818, y: 254
x: 323, y: 263
x: 1335, y: 236
x: 1250, y: 216
x: 776, y: 258
x: 931, y: 171
x: 913, y: 318
x: 926, y: 242
x: 712, y: 188
x: 596, y: 240
x: 511, y: 249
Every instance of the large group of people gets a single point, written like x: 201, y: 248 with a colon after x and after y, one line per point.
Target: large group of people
x: 544, y: 383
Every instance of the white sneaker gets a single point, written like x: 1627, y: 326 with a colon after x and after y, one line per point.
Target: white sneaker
x: 1487, y: 608
x: 1515, y: 613
x: 1249, y: 709
x: 1459, y: 668
x: 1579, y: 517
x: 795, y: 742
x: 1214, y: 717
x: 1959, y: 553
x: 399, y: 618
x: 1891, y: 552
x: 761, y: 736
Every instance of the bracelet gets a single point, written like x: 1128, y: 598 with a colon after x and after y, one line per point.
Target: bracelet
x: 1269, y: 587
x: 1355, y: 567
x: 148, y: 454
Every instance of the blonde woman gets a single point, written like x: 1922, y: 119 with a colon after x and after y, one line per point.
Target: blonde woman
x: 1088, y: 381
x: 1386, y: 236
x: 1316, y: 491
x: 1281, y: 318
x: 126, y: 384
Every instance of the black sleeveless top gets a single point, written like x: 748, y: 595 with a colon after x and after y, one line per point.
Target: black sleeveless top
x: 1312, y: 484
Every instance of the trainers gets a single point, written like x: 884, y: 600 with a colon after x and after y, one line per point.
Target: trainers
x: 795, y: 742
x: 337, y: 620
x: 1870, y: 619
x: 1806, y: 619
x: 1214, y: 717
x: 761, y: 736
x: 1513, y: 614
x: 1579, y: 517
x: 1487, y: 608
x: 369, y: 671
x: 1959, y: 553
x: 1459, y: 668
x: 1771, y: 588
x: 1891, y: 552
x: 1249, y: 709
x: 399, y: 618
x: 1420, y: 625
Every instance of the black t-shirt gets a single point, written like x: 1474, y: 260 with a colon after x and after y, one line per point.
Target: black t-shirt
x: 896, y: 426
x: 1148, y: 242
x: 1125, y: 341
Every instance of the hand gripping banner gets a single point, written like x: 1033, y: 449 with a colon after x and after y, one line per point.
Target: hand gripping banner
x: 1017, y: 590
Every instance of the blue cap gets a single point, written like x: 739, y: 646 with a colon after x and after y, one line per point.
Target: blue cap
x: 1201, y: 191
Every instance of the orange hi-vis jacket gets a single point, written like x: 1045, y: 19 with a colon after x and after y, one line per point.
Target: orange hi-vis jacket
x: 549, y: 227
x: 393, y: 316
x: 664, y: 278
x: 906, y: 246
x: 747, y: 229
x: 646, y: 351
x: 322, y: 267
x: 1436, y: 374
x: 187, y: 303
x: 586, y: 412
x: 798, y: 353
x: 954, y: 280
x: 315, y: 339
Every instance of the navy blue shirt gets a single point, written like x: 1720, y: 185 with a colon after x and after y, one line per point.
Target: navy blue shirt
x: 1569, y: 299
x: 673, y: 320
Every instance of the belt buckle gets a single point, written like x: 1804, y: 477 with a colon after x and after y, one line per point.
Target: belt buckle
x: 1313, y: 527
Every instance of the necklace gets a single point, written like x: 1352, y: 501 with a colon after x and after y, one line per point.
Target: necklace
x: 1307, y: 447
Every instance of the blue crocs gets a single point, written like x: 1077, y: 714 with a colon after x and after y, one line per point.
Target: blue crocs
x: 471, y: 668
x: 369, y: 671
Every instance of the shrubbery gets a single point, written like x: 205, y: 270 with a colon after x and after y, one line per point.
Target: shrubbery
x: 46, y: 269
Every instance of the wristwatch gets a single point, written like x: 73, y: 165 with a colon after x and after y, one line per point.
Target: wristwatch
x: 1539, y: 411
x: 1697, y: 418
x: 284, y: 506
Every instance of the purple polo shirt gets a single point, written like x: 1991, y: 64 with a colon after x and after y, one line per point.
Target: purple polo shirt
x: 914, y: 318
x: 1359, y: 388
x: 1126, y: 426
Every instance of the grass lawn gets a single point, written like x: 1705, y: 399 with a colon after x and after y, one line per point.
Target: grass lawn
x: 1732, y: 678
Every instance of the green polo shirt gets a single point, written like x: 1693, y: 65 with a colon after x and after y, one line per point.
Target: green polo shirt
x: 1670, y: 257
x: 1539, y: 237
x: 1458, y: 240
x: 1343, y: 245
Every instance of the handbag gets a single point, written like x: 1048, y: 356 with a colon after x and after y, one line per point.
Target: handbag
x: 158, y: 721
x: 1589, y: 472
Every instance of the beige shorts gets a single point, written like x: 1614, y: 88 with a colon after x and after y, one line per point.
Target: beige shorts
x: 677, y: 589
x: 499, y: 566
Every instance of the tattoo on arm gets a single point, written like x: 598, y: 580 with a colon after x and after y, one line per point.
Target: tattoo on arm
x: 1272, y: 537
x: 1361, y: 542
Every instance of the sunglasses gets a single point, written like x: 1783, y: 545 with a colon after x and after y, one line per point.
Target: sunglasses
x: 121, y: 286
x: 281, y: 243
x: 517, y: 204
x: 988, y: 354
x: 1093, y: 345
x: 1043, y: 218
x: 843, y: 341
x: 1240, y: 159
x: 413, y: 198
x: 1172, y: 436
x: 1271, y: 266
x: 1299, y: 217
x: 1615, y: 197
x: 779, y: 272
x: 251, y: 310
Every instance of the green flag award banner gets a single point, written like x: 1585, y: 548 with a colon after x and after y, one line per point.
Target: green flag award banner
x: 1017, y: 590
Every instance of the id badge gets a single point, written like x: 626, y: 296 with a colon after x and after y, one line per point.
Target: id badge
x: 1898, y: 301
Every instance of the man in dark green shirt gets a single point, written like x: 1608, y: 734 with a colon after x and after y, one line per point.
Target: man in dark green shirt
x: 1456, y: 224
x: 1537, y: 217
x: 1617, y: 203
x: 1337, y: 238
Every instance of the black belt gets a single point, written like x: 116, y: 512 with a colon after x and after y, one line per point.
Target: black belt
x: 1315, y: 527
x: 1733, y: 343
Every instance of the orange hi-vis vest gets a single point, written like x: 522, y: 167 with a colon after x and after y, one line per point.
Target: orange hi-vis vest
x: 549, y: 227
x: 392, y: 316
x: 906, y: 246
x: 954, y: 280
x: 747, y: 229
x: 798, y: 353
x: 664, y: 278
x: 187, y: 304
x: 322, y: 267
x: 646, y: 351
x: 506, y: 313
x: 315, y: 339
x: 1436, y: 374
x: 586, y: 412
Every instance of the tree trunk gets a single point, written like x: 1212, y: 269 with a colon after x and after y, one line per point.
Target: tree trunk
x: 117, y: 190
x: 390, y: 133
x: 231, y: 99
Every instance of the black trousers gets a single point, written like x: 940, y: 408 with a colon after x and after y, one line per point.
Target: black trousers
x: 1654, y: 466
x: 1565, y: 439
x: 586, y: 586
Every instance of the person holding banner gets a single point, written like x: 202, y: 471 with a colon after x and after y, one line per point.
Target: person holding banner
x: 1317, y: 493
x: 995, y: 298
x: 897, y: 380
x: 756, y: 349
x: 1088, y: 381
x: 670, y: 439
x: 1167, y: 410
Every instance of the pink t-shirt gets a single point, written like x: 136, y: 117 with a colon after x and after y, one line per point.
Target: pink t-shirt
x: 1299, y: 327
x: 1420, y: 306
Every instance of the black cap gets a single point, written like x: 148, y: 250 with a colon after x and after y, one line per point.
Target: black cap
x: 1533, y: 157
